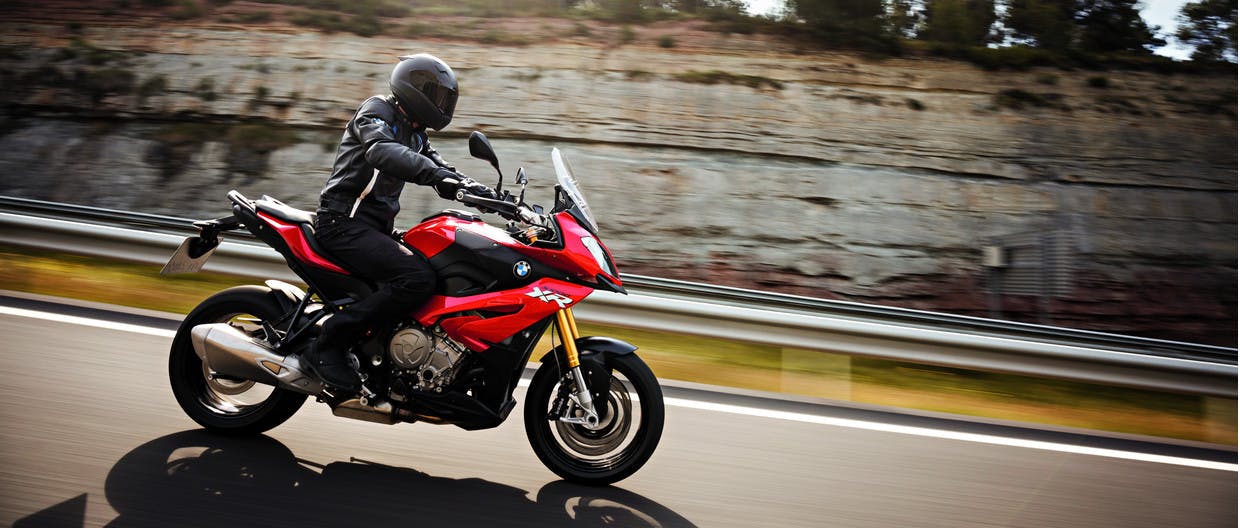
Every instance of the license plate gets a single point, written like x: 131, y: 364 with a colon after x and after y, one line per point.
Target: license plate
x: 183, y: 259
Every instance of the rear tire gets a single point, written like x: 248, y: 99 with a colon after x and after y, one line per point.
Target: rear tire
x: 628, y: 432
x: 229, y: 407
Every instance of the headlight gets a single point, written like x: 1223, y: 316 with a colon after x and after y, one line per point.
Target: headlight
x: 600, y: 256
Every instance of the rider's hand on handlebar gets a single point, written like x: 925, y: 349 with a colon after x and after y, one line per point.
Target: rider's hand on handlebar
x: 474, y: 188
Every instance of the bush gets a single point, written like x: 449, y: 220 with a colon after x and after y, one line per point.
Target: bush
x: 153, y: 85
x: 667, y: 41
x: 1098, y: 81
x: 915, y: 104
x: 500, y: 38
x: 205, y: 89
x: 104, y: 82
x: 1017, y: 99
x: 717, y: 77
x: 186, y: 10
x: 1048, y: 79
x: 255, y: 17
x: 627, y: 35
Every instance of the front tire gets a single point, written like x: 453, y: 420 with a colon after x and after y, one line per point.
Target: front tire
x: 240, y: 408
x: 630, y: 425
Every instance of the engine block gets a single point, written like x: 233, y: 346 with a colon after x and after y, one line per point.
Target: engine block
x: 430, y: 357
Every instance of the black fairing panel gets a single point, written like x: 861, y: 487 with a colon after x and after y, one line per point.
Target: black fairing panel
x: 491, y: 402
x: 474, y: 264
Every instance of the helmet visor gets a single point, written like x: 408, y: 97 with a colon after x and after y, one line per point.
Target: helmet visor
x: 443, y: 97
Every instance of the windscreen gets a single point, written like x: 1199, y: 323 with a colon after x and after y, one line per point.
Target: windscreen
x: 564, y: 173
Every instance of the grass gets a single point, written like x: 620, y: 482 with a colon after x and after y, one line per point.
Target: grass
x: 724, y: 362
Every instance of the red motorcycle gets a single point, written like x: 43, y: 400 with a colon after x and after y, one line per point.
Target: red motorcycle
x: 593, y: 410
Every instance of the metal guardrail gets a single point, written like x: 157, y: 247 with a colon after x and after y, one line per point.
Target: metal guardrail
x: 714, y: 311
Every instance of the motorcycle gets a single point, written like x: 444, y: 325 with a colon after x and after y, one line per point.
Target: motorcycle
x: 593, y: 410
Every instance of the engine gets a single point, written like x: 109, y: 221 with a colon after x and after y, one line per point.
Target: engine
x: 430, y: 359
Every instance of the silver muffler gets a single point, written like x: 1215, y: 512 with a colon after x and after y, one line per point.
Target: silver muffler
x: 230, y: 352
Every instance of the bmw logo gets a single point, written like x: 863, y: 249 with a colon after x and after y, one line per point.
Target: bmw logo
x: 521, y: 269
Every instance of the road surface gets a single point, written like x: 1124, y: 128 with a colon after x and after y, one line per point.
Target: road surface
x: 90, y: 435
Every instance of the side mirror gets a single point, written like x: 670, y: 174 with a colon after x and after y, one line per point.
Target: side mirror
x: 480, y: 147
x: 521, y: 180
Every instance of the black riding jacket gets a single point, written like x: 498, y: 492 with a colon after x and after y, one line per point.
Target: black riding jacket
x: 380, y: 151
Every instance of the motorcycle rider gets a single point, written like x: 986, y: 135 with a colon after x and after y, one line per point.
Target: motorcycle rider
x: 384, y: 146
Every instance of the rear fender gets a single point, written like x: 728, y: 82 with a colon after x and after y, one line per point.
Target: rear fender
x: 593, y: 352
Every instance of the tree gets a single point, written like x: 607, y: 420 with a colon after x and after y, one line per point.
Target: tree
x: 857, y: 23
x: 1114, y: 25
x: 960, y: 22
x: 903, y: 19
x: 1050, y: 24
x: 1210, y: 27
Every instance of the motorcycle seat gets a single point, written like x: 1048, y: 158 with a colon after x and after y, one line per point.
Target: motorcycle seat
x: 280, y: 210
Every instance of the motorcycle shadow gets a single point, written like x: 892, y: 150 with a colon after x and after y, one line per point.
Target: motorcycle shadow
x: 194, y: 478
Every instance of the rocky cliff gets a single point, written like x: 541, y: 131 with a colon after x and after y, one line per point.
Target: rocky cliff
x: 734, y: 159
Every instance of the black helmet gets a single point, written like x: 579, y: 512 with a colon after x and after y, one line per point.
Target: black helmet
x: 426, y: 88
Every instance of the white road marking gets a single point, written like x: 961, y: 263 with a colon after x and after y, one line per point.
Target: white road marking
x: 948, y: 435
x: 84, y: 321
x: 756, y: 411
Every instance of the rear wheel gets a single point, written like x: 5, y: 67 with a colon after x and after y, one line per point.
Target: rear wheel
x: 629, y: 428
x: 237, y: 407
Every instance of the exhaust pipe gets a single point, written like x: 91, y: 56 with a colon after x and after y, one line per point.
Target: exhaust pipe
x: 382, y: 413
x: 230, y: 352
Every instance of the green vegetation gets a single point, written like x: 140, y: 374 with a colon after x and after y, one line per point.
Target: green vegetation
x: 667, y: 41
x: 187, y: 9
x: 718, y: 361
x: 638, y: 75
x: 205, y: 89
x: 627, y: 35
x: 1091, y: 34
x: 255, y: 17
x: 503, y: 38
x: 717, y: 77
x: 365, y: 25
x: 103, y: 82
x: 370, y: 8
x: 153, y: 85
x: 1048, y: 79
x: 1017, y: 99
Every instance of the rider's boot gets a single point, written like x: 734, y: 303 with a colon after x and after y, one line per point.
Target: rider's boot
x: 328, y: 355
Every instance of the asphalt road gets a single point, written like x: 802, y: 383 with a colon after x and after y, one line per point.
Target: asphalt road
x: 90, y: 436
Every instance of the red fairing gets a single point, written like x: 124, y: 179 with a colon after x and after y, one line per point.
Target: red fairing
x: 522, y: 308
x: 574, y: 258
x: 296, y: 241
x: 434, y: 235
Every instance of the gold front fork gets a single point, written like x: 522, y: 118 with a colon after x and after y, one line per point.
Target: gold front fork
x: 567, y: 326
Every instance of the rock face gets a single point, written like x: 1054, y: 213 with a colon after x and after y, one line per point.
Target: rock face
x: 822, y: 174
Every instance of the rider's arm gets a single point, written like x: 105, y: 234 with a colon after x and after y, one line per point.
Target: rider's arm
x: 373, y: 125
x: 433, y: 154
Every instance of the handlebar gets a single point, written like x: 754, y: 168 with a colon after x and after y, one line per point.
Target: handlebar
x: 508, y: 210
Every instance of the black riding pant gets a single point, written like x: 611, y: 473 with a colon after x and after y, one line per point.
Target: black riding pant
x: 404, y: 277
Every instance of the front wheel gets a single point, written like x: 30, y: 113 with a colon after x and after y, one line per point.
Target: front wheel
x: 630, y: 423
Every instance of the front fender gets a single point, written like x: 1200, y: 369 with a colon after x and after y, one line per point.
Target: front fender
x: 592, y: 352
